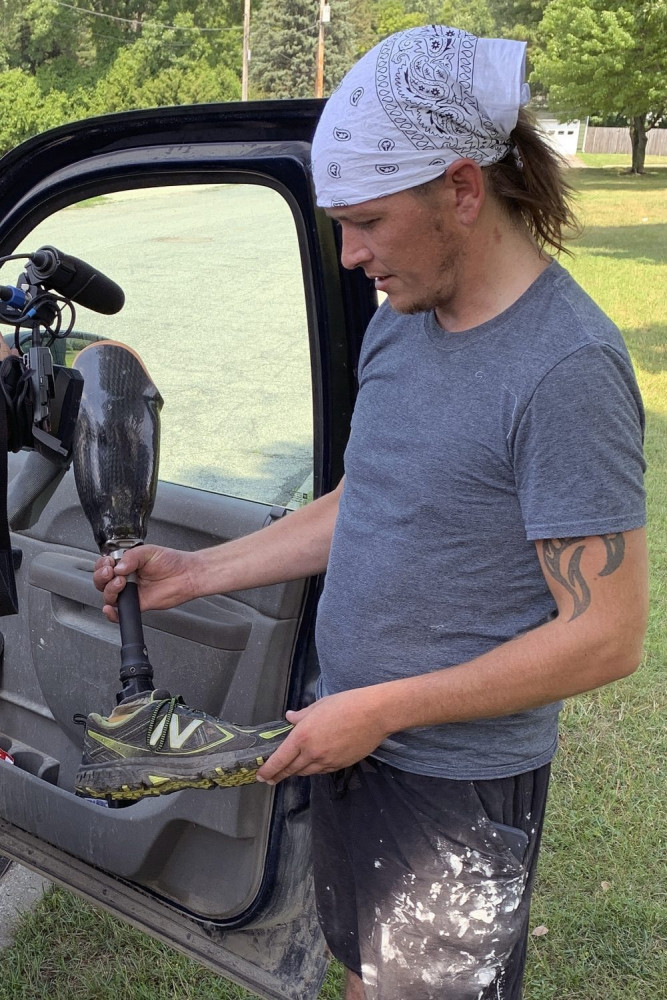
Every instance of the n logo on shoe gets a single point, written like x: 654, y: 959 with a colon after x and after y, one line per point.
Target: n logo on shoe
x: 176, y: 737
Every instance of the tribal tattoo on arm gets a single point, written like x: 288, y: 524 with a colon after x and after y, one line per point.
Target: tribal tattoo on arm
x: 562, y: 557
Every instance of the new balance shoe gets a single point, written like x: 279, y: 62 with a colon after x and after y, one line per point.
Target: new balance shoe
x: 159, y: 745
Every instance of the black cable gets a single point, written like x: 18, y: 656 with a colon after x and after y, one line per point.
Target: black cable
x: 37, y: 301
x: 55, y: 333
x: 61, y: 336
x: 15, y: 256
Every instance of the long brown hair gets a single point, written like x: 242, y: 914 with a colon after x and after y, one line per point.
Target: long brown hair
x: 530, y: 183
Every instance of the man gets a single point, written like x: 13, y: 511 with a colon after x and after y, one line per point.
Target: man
x: 485, y: 553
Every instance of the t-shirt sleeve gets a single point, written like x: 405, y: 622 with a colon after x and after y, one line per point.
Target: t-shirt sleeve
x: 577, y: 451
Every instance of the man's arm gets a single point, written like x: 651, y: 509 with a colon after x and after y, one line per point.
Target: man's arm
x: 294, y: 547
x: 600, y: 588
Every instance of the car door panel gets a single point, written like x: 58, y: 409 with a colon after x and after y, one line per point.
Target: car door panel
x: 238, y: 305
x: 281, y: 957
x: 74, y: 659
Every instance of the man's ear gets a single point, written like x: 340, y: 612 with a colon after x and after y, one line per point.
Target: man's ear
x: 466, y: 184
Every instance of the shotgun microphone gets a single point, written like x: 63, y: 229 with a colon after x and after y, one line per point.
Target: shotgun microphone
x: 75, y: 280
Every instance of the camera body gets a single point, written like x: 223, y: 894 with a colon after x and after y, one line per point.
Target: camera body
x: 41, y: 403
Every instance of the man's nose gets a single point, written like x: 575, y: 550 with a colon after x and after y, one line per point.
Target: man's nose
x: 354, y: 252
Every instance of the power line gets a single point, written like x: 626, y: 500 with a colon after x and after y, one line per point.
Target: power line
x: 177, y: 46
x: 143, y: 24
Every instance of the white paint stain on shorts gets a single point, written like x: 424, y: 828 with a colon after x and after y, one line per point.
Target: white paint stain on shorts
x: 454, y: 929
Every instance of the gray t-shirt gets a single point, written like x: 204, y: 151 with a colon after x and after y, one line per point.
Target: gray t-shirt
x: 464, y: 449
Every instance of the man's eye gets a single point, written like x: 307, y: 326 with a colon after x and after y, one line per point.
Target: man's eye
x: 367, y: 224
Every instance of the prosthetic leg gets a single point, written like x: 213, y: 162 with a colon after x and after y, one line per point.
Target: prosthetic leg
x: 116, y: 452
x: 152, y: 743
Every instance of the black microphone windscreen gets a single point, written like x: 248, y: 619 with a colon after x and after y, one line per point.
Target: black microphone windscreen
x: 77, y: 281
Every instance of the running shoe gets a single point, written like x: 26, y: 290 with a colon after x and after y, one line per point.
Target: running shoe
x: 159, y: 745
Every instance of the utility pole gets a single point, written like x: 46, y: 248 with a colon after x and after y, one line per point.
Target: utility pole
x: 246, y: 50
x: 325, y: 17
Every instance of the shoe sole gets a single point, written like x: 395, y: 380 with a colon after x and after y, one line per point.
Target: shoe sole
x: 132, y: 779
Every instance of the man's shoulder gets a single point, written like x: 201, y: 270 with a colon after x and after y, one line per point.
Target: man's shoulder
x: 580, y: 310
x: 560, y: 318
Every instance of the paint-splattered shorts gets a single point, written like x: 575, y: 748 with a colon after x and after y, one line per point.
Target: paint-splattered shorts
x: 423, y: 884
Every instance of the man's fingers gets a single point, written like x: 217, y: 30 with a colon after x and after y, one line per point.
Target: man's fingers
x: 132, y: 560
x: 102, y: 572
x: 106, y: 580
x: 113, y: 588
x: 103, y: 577
x: 285, y: 759
x: 287, y: 772
x: 111, y: 613
x: 295, y: 716
x: 297, y: 767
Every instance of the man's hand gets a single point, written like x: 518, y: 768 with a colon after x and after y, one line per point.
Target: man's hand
x: 335, y: 732
x: 165, y: 577
x: 5, y: 350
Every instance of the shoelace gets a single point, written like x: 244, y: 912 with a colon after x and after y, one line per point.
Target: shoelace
x: 172, y: 703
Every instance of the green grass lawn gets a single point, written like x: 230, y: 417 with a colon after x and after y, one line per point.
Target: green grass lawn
x: 618, y: 160
x: 602, y: 889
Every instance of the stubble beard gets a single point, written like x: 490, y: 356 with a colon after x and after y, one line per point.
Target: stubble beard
x: 445, y: 285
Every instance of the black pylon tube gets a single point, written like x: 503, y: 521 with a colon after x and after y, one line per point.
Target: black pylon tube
x: 136, y: 672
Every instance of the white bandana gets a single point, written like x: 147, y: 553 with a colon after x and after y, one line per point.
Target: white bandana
x: 415, y: 103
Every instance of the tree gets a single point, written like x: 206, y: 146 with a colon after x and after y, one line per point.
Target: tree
x: 516, y: 18
x: 24, y: 110
x: 339, y: 43
x: 67, y: 61
x: 398, y: 15
x: 283, y: 43
x: 603, y: 59
x: 283, y: 39
x: 363, y: 26
x: 179, y: 65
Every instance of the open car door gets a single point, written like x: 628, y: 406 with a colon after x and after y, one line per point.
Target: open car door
x: 249, y: 327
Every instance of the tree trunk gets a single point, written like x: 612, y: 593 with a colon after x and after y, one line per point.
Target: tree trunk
x: 638, y: 138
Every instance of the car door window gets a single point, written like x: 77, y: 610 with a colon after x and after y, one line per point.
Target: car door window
x: 215, y: 306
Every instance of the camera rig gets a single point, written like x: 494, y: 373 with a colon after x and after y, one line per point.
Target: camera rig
x: 41, y: 398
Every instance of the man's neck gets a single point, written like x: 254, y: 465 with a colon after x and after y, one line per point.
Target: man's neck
x: 496, y: 269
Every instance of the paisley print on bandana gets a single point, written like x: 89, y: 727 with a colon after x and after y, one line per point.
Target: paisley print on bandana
x: 424, y: 85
